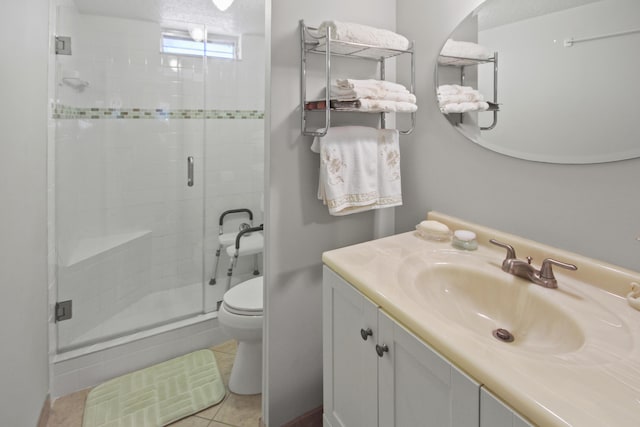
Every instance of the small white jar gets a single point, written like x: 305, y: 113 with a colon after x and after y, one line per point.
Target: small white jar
x: 464, y: 239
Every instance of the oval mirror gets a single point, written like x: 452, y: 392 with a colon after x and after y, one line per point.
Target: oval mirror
x: 550, y: 81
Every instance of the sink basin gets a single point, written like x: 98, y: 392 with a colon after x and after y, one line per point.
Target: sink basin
x: 483, y: 298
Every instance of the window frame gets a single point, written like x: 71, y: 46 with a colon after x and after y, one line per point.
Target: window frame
x: 175, y: 34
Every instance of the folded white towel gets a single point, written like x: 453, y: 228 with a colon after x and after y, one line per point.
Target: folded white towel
x: 358, y: 33
x: 387, y: 106
x: 350, y: 94
x: 454, y: 89
x: 371, y: 83
x: 464, y: 107
x: 458, y: 98
x: 359, y: 169
x: 406, y: 107
x: 463, y: 49
x: 447, y: 90
x: 344, y: 94
x: 375, y: 106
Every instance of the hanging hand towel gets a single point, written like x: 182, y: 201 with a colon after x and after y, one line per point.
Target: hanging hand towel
x: 359, y: 169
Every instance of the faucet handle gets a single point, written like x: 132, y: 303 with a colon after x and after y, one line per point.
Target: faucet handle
x: 511, y: 253
x: 546, y: 272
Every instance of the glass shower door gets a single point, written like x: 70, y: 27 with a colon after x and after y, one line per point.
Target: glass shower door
x: 128, y: 178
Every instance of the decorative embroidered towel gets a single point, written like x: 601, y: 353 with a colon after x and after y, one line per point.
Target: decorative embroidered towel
x: 358, y: 33
x: 359, y: 169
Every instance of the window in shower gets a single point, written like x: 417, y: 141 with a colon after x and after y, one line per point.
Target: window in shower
x: 192, y: 43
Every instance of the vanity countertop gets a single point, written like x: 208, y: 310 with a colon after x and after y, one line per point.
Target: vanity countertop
x: 594, y: 384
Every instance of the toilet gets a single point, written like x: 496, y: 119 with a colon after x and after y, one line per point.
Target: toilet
x: 240, y: 317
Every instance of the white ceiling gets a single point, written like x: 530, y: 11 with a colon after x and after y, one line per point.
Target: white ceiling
x: 247, y: 16
x: 243, y: 17
x: 493, y: 13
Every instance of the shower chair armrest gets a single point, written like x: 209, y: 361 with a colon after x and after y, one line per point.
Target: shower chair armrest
x: 245, y: 231
x: 233, y: 211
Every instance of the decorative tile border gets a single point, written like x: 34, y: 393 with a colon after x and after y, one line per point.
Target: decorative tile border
x: 61, y: 111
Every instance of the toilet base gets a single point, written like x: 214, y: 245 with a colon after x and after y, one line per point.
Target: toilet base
x: 246, y: 374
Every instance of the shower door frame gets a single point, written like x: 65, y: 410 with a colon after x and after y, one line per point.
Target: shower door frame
x: 87, y: 114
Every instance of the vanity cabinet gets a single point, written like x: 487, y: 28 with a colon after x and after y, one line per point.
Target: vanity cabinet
x: 350, y: 363
x: 377, y: 373
x: 495, y: 413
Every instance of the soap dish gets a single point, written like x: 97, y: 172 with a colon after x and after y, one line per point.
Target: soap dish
x: 433, y: 230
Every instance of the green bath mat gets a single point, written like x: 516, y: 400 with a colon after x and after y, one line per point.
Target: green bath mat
x: 157, y: 395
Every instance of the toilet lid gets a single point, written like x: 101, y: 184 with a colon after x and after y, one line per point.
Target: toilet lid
x: 245, y: 297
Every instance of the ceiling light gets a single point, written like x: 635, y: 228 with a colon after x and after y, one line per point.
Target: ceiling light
x: 222, y: 4
x: 197, y: 34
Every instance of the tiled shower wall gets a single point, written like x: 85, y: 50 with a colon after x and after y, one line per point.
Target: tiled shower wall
x: 127, y: 224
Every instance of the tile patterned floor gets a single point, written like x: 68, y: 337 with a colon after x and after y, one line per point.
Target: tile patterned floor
x: 235, y: 410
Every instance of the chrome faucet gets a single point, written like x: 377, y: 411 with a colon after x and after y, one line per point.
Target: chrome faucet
x: 543, y: 277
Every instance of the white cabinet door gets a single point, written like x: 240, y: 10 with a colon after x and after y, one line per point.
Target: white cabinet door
x: 350, y: 362
x: 495, y: 413
x: 417, y: 387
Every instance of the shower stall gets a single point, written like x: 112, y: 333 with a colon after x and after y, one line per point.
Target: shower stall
x: 156, y: 128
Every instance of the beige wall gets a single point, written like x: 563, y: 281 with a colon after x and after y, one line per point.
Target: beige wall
x: 23, y: 217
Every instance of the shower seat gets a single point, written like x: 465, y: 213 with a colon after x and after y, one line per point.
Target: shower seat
x: 249, y: 241
x: 226, y: 240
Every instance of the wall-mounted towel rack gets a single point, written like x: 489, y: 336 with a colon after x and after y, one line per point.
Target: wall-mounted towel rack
x: 457, y: 61
x: 571, y: 41
x: 313, y: 43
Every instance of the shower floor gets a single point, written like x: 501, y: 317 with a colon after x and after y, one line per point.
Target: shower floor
x: 151, y: 310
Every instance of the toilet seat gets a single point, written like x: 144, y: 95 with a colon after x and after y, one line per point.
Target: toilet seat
x: 245, y: 298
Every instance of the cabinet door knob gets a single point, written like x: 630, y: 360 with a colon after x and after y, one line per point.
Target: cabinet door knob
x: 366, y: 333
x: 381, y: 349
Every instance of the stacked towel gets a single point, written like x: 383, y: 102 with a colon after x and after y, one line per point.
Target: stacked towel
x: 342, y: 94
x: 464, y: 107
x: 462, y: 49
x: 455, y: 90
x: 371, y: 83
x: 375, y: 106
x: 363, y: 34
x: 359, y: 169
x: 460, y: 99
x: 372, y: 96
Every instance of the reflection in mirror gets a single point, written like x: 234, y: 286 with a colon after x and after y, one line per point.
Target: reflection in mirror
x: 564, y: 89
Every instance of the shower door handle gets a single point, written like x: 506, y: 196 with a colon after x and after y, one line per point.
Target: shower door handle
x: 190, y: 171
